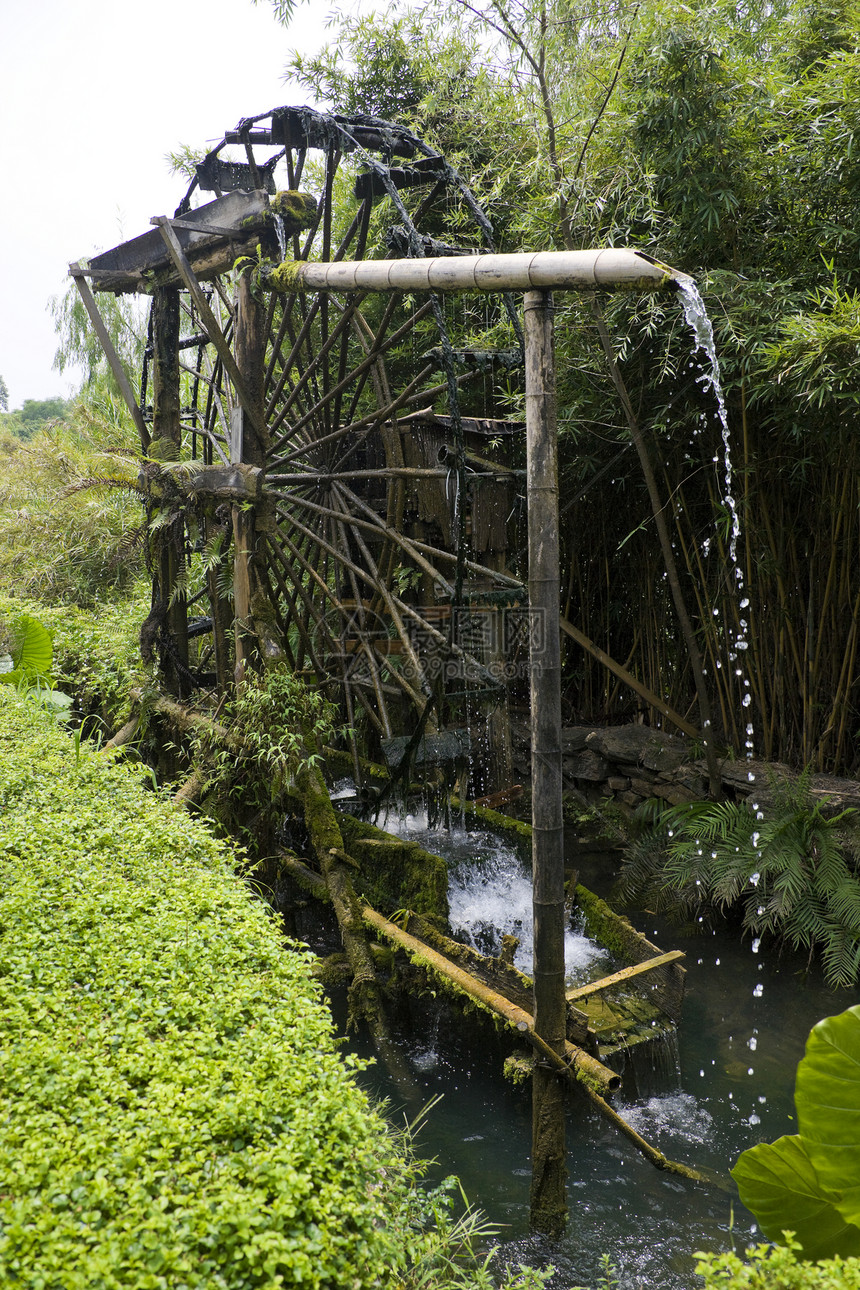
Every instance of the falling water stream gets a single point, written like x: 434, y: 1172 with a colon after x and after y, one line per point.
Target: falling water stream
x: 490, y: 895
x: 282, y: 236
x: 696, y: 316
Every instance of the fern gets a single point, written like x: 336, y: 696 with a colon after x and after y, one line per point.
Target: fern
x: 792, y: 876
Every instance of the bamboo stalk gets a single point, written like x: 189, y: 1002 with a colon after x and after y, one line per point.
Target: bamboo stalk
x: 542, y: 270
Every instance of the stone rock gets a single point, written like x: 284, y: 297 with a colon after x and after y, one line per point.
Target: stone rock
x: 640, y: 746
x: 573, y: 739
x: 586, y: 765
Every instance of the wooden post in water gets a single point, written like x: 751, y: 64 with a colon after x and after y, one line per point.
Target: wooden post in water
x: 548, y: 1193
x: 166, y: 446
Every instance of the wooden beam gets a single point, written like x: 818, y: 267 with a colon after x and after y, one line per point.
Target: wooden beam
x: 209, y: 321
x: 626, y: 974
x: 113, y: 358
x: 621, y: 672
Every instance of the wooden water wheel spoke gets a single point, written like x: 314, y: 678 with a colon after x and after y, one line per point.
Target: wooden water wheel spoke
x: 321, y: 626
x: 296, y: 403
x: 312, y: 367
x: 364, y: 365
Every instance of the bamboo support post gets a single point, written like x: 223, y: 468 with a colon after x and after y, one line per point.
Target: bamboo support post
x: 548, y: 1199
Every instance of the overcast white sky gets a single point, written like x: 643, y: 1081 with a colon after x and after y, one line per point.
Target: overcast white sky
x: 93, y: 95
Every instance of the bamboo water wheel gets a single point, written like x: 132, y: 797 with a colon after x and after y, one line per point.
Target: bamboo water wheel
x: 324, y: 470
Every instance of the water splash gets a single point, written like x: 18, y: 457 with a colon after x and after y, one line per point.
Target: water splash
x: 700, y: 324
x: 490, y: 896
x: 282, y: 235
x: 674, y: 1115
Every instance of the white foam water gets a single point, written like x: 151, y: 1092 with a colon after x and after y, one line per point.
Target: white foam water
x: 490, y: 896
x: 678, y: 1115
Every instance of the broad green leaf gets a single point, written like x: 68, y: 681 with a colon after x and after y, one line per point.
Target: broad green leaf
x: 777, y: 1181
x: 828, y: 1107
x: 33, y: 651
x: 56, y: 700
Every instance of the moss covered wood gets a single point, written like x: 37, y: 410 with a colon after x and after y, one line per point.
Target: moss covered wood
x: 327, y: 844
x: 396, y: 874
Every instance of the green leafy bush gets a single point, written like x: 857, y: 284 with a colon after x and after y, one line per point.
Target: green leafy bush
x: 277, y: 722
x: 776, y: 1268
x: 791, y: 875
x: 181, y: 1118
x: 96, y: 650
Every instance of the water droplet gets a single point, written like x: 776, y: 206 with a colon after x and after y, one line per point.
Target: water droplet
x: 754, y: 1119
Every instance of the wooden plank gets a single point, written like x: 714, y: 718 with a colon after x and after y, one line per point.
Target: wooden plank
x: 209, y: 321
x: 237, y: 217
x: 626, y: 974
x: 621, y: 672
x: 426, y: 171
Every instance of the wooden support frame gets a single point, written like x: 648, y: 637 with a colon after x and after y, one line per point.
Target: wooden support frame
x: 209, y: 321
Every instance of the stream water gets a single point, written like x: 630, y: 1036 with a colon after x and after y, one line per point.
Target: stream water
x: 725, y: 1084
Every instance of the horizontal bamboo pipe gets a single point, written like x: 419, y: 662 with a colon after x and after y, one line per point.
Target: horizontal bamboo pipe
x: 545, y: 270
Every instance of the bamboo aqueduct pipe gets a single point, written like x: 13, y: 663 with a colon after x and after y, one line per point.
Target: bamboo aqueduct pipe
x: 611, y: 268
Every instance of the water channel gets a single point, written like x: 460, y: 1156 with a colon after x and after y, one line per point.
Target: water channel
x: 726, y: 1084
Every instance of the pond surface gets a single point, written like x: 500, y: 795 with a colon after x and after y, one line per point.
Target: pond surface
x: 727, y: 1084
